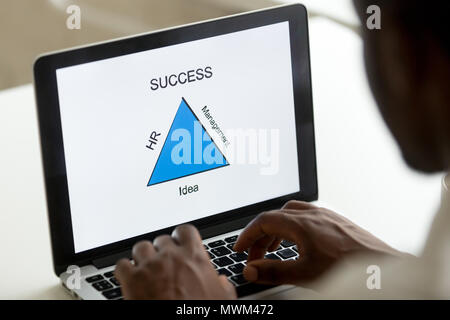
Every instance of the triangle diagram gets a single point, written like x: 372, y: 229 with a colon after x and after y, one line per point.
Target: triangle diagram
x: 194, y: 157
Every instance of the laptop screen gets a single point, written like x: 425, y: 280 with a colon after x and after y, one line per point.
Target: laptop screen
x: 162, y: 137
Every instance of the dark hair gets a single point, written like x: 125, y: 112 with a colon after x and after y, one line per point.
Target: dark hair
x: 419, y: 18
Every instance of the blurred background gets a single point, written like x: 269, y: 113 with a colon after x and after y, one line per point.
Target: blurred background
x: 31, y: 27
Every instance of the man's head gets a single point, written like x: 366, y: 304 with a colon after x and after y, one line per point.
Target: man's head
x: 408, y: 66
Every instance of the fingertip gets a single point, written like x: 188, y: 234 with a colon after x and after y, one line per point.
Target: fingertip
x: 123, y: 266
x: 225, y: 282
x: 298, y: 205
x: 275, y: 244
x: 237, y: 248
x: 123, y: 263
x: 227, y: 286
x: 185, y: 229
x: 223, y: 279
x: 142, y: 245
x: 290, y: 204
x: 187, y: 235
x: 238, y: 245
x: 142, y: 250
x: 250, y: 273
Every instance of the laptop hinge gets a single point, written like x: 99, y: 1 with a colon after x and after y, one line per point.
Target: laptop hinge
x: 111, y: 259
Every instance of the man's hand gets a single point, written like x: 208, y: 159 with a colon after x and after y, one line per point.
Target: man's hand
x: 176, y: 267
x: 322, y: 237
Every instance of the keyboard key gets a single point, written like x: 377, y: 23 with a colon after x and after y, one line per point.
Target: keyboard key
x: 224, y: 272
x: 286, y: 243
x: 94, y: 278
x: 238, y: 256
x: 230, y: 246
x: 115, y: 282
x: 239, y: 279
x: 223, y: 261
x: 286, y: 253
x: 109, y: 274
x: 220, y: 251
x: 295, y: 248
x: 102, y: 285
x: 216, y: 243
x: 211, y: 256
x: 231, y: 239
x: 112, y: 294
x: 236, y: 268
x: 272, y: 256
x: 205, y: 246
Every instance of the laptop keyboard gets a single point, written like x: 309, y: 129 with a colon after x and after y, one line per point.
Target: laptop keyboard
x: 223, y: 258
x: 107, y: 284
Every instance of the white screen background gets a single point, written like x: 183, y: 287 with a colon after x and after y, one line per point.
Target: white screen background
x: 108, y: 112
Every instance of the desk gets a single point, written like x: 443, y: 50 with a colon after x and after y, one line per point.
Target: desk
x: 361, y: 174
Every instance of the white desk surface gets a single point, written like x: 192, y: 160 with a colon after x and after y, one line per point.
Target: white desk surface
x: 361, y: 174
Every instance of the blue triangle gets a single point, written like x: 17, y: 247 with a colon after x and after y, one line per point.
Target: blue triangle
x: 174, y: 163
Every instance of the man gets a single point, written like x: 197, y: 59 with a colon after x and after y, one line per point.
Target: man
x: 408, y: 66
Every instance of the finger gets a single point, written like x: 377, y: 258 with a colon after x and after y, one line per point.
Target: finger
x: 275, y: 244
x: 227, y: 286
x: 298, y: 205
x: 123, y: 270
x: 187, y: 236
x: 260, y: 247
x: 142, y: 251
x: 163, y: 242
x: 274, y: 272
x: 273, y: 223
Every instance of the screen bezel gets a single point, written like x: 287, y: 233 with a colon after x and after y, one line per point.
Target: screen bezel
x: 52, y: 148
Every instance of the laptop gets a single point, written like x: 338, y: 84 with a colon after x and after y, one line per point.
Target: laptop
x: 209, y: 123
